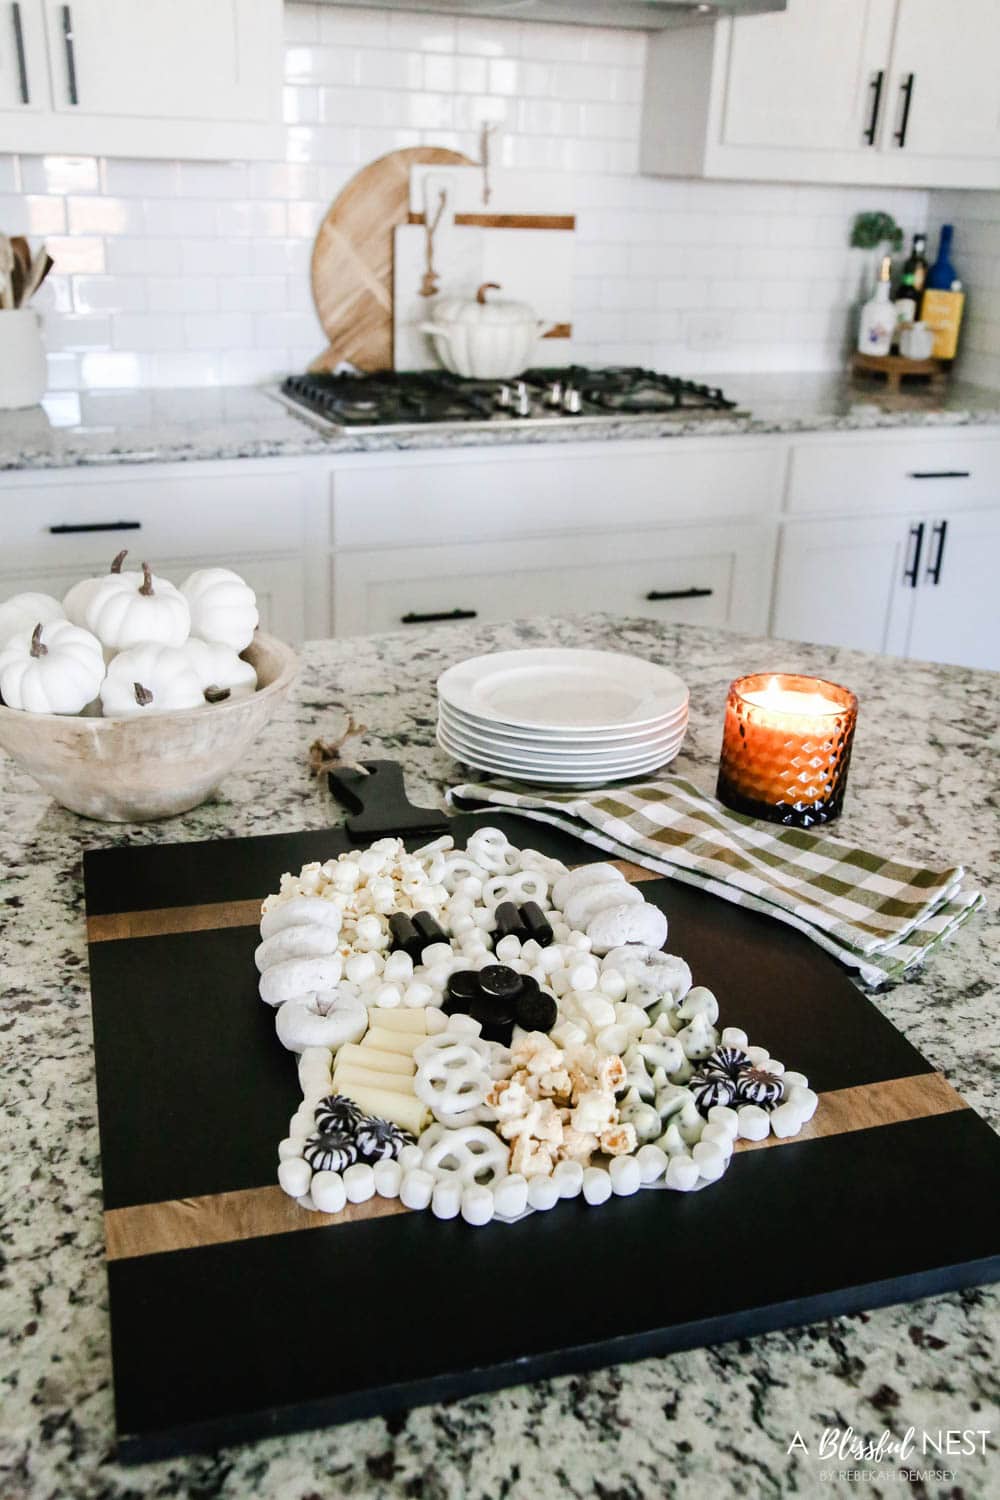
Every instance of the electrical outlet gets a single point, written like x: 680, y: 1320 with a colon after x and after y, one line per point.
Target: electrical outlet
x: 708, y: 330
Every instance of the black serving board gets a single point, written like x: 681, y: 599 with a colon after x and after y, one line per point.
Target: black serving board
x: 276, y: 1332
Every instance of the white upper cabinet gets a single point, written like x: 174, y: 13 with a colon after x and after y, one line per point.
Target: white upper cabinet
x: 806, y: 77
x: 895, y: 92
x: 175, y: 78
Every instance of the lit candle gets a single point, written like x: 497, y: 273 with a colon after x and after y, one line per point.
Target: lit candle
x: 786, y: 748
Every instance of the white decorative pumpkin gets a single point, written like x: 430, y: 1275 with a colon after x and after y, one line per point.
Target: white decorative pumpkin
x: 24, y: 611
x: 54, y: 669
x: 484, y: 340
x: 221, y: 672
x: 77, y: 599
x: 150, y: 679
x: 223, y: 607
x: 131, y: 609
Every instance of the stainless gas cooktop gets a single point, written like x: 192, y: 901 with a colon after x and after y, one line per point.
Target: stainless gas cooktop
x: 564, y: 394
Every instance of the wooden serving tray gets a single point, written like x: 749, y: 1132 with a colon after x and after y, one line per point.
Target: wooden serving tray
x: 235, y: 1314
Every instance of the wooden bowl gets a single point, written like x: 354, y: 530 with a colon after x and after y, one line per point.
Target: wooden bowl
x: 150, y: 766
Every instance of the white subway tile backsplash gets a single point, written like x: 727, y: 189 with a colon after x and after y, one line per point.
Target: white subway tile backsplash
x: 197, y: 273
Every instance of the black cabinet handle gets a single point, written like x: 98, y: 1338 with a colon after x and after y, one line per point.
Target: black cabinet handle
x: 96, y: 526
x: 441, y: 614
x: 907, y: 91
x: 940, y: 474
x: 67, y: 30
x: 940, y: 533
x: 656, y: 594
x: 876, y: 85
x: 910, y: 573
x: 22, y: 66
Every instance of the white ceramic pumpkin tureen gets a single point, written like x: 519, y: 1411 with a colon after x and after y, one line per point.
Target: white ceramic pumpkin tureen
x: 484, y: 340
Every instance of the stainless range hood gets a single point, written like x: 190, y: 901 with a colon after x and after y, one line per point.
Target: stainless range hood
x: 642, y: 15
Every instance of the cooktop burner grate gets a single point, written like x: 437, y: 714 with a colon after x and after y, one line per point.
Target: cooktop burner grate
x: 567, y: 393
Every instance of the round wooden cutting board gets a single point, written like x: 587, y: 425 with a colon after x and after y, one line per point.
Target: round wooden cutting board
x: 352, y: 257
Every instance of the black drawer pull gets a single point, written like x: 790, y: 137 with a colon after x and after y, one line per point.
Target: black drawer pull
x: 441, y: 614
x: 906, y: 91
x: 876, y: 86
x: 910, y: 571
x: 656, y: 594
x: 938, y: 534
x: 22, y: 66
x: 67, y: 30
x: 96, y: 526
x: 940, y: 474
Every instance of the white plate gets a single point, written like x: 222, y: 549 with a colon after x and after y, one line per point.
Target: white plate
x: 568, y: 765
x: 529, y: 738
x: 489, y: 741
x: 552, y: 778
x: 560, y: 690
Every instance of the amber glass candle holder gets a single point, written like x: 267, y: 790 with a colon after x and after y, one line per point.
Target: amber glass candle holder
x: 786, y: 748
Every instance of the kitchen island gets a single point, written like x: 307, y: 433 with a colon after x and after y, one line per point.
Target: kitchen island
x: 713, y: 1422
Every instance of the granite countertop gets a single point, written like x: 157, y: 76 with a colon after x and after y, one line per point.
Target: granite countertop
x: 82, y: 429
x: 713, y: 1422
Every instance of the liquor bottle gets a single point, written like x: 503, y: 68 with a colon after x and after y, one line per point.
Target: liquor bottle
x: 910, y: 287
x: 878, y: 316
x: 944, y: 300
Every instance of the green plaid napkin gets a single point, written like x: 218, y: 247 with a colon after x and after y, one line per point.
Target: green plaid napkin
x: 880, y: 916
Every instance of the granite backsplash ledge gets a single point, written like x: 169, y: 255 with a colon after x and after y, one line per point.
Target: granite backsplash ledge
x: 91, y: 429
x: 717, y: 1421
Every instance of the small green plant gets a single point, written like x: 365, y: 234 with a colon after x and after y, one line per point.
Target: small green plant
x: 873, y: 229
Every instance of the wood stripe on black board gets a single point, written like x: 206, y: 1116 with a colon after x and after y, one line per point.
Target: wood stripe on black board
x: 220, y: 1218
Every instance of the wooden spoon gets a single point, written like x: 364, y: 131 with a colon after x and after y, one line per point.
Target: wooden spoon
x: 22, y: 266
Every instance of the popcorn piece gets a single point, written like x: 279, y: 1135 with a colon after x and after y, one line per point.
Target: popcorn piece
x: 594, y: 1112
x: 530, y: 1159
x: 620, y: 1140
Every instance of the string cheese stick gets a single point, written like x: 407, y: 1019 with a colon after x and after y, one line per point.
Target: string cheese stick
x: 392, y: 1041
x: 399, y: 1020
x: 351, y: 1076
x: 402, y: 1109
x: 373, y: 1057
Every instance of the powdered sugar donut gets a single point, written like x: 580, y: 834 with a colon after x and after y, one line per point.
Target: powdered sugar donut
x: 299, y: 910
x: 307, y: 941
x: 321, y: 1021
x: 297, y: 977
x: 586, y: 902
x: 625, y: 923
x: 583, y: 875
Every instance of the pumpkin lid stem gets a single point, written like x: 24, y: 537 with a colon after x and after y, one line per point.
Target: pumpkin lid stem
x: 215, y: 694
x: 116, y: 566
x: 142, y: 694
x: 37, y: 648
x: 487, y: 286
x: 146, y: 587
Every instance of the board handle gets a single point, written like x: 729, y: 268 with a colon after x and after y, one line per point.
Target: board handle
x: 378, y: 804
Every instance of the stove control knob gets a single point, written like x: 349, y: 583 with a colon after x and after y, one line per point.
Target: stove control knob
x: 554, y: 394
x: 522, y: 401
x: 503, y: 396
x: 572, y: 403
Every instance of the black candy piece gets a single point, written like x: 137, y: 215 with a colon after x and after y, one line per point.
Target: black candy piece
x: 711, y: 1089
x: 509, y: 922
x: 429, y: 928
x: 405, y: 935
x: 337, y: 1115
x: 537, y: 923
x: 464, y: 985
x: 378, y: 1140
x: 536, y: 1010
x: 499, y: 981
x: 728, y: 1062
x: 758, y: 1086
x: 330, y: 1152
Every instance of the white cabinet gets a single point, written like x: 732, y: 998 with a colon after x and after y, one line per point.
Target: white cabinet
x: 923, y: 587
x: 706, y: 575
x: 870, y: 91
x: 176, y: 78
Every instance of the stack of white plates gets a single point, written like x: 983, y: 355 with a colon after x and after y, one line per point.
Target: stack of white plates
x: 562, y: 718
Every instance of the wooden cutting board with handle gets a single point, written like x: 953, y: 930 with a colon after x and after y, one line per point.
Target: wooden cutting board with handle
x: 352, y: 257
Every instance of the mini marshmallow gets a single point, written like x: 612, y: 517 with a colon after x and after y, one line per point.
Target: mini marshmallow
x: 328, y: 1192
x: 294, y: 1176
x: 290, y: 1147
x: 446, y: 1200
x: 578, y: 942
x: 418, y: 994
x: 369, y: 932
x: 720, y: 1135
x: 416, y: 1188
x: 775, y: 1067
x: 388, y: 1175
x: 786, y: 1120
x: 721, y: 1114
x: 626, y: 1176
x: 461, y: 925
x: 612, y: 983
x: 599, y: 1011
x: 612, y: 1039
x: 732, y: 1036
x: 568, y: 1178
x: 410, y: 1158
x: 387, y: 996
x: 682, y: 1174
x: 543, y: 1193
x: 510, y: 1195
x: 359, y: 1181
x: 583, y: 977
x: 754, y: 1122
x: 710, y: 1159
x: 596, y: 1186
x: 436, y: 953
x: 803, y: 1100
x: 436, y: 1020
x: 794, y: 1080
x: 759, y: 1056
x: 508, y: 948
x: 398, y: 967
x: 477, y: 1205
x: 652, y: 1163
